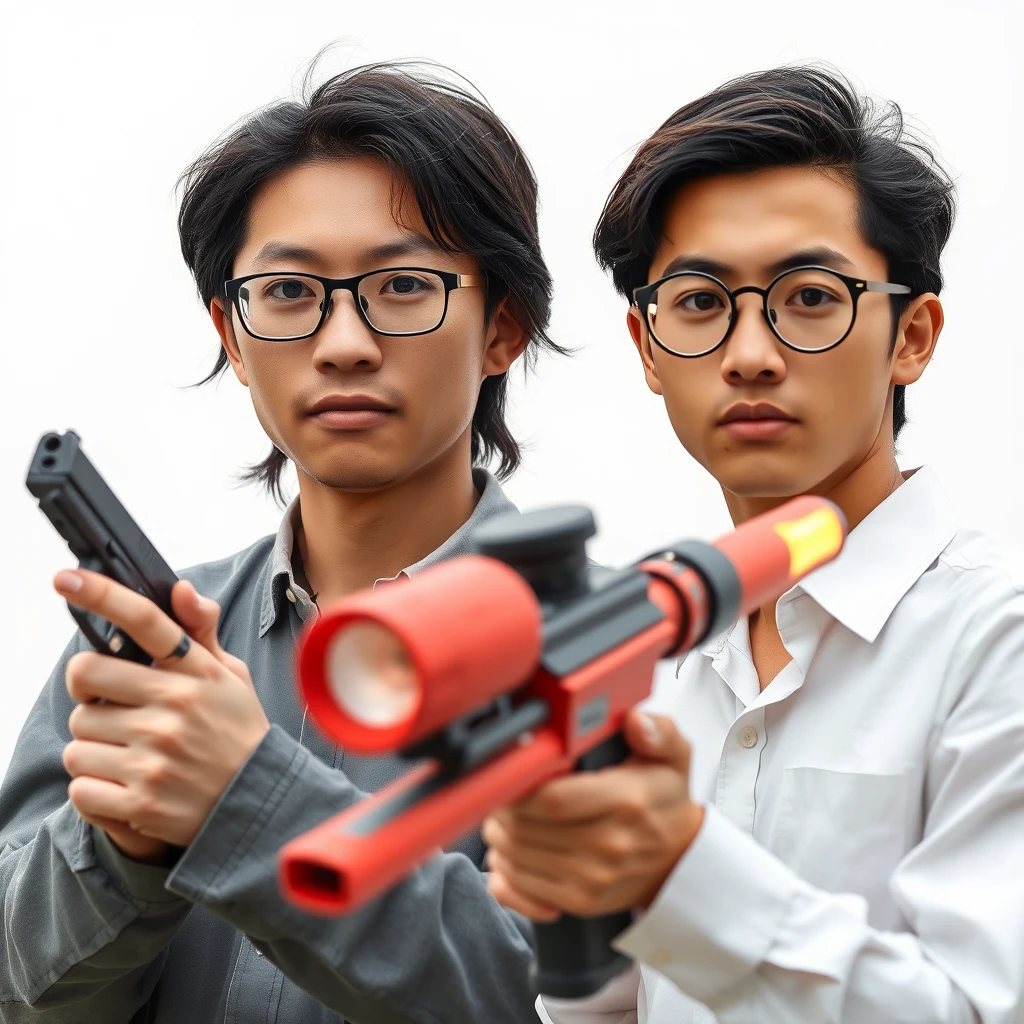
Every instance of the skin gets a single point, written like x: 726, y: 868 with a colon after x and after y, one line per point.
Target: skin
x: 148, y: 765
x: 605, y: 841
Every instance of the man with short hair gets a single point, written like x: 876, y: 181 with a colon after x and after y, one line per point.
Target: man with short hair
x: 844, y: 843
x: 370, y: 260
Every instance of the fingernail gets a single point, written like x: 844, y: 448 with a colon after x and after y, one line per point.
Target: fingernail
x: 68, y: 581
x: 649, y: 729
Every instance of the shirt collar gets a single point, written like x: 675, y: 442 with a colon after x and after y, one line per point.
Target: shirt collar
x: 279, y: 584
x: 885, y: 555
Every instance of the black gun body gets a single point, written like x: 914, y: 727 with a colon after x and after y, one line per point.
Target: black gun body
x: 100, y: 533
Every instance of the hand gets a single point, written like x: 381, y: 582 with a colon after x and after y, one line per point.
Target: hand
x: 148, y: 765
x: 597, y: 842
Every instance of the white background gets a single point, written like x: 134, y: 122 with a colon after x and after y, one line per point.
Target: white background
x: 105, y: 103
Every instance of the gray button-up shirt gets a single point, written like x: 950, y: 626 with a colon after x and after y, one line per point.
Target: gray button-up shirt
x: 92, y: 937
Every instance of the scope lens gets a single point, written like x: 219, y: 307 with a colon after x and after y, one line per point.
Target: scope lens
x: 371, y: 676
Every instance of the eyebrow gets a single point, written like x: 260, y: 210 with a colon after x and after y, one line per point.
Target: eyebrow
x: 413, y: 244
x: 819, y: 255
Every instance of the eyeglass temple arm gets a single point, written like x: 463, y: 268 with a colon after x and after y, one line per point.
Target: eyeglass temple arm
x: 887, y: 287
x: 469, y: 281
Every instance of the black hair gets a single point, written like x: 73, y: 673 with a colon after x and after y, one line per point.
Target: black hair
x: 474, y: 186
x: 793, y: 116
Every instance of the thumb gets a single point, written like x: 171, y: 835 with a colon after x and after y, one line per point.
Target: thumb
x: 656, y: 738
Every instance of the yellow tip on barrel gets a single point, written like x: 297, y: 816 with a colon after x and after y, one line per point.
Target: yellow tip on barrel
x: 812, y: 540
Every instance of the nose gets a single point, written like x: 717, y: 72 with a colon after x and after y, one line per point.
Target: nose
x: 752, y: 353
x: 344, y: 342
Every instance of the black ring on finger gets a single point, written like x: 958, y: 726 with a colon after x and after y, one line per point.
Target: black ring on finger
x: 184, y: 645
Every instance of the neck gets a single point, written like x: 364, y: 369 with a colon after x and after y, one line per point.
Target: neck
x: 349, y: 539
x: 857, y: 490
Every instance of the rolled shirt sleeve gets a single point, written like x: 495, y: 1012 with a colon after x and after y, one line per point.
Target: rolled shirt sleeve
x: 437, y: 948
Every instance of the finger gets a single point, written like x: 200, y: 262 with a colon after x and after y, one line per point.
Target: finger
x: 509, y: 897
x: 587, y: 797
x: 578, y: 797
x: 130, y: 841
x: 201, y: 617
x: 98, y: 760
x: 153, y: 630
x: 540, y: 890
x: 553, y: 850
x: 91, y: 676
x: 100, y: 798
x: 119, y: 831
x: 107, y: 824
x: 505, y: 830
x: 104, y: 723
x: 510, y: 850
x: 656, y: 738
x: 538, y: 860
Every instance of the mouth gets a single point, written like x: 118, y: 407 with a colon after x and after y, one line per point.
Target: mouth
x: 756, y: 422
x: 351, y: 412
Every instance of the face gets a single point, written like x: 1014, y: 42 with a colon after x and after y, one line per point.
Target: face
x: 816, y: 416
x: 394, y: 405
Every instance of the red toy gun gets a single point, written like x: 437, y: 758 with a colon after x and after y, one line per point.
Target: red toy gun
x: 502, y: 669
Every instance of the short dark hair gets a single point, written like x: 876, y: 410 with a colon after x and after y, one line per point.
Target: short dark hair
x: 792, y: 116
x: 474, y: 185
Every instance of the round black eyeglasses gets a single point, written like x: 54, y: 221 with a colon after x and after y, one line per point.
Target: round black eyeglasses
x: 809, y: 309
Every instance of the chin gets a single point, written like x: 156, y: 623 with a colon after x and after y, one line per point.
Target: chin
x: 359, y: 480
x: 754, y: 477
x: 353, y: 475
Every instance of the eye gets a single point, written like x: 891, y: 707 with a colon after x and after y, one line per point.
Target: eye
x: 289, y: 289
x: 701, y: 302
x: 812, y: 297
x: 405, y: 284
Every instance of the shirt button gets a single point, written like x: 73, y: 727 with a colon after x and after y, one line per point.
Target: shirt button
x: 659, y: 958
x: 290, y: 594
x: 748, y: 737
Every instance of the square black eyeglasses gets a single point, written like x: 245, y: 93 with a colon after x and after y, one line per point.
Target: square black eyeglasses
x: 395, y: 301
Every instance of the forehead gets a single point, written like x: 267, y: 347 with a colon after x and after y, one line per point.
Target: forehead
x: 750, y: 220
x: 337, y: 207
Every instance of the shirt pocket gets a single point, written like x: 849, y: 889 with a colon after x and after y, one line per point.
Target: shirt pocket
x: 843, y: 831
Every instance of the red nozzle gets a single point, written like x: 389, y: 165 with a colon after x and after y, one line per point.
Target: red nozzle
x: 381, y: 669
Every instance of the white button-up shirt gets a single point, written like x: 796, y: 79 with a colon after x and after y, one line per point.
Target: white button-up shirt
x: 862, y: 855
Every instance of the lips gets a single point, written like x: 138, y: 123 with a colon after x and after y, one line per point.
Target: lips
x: 350, y: 403
x: 744, y: 411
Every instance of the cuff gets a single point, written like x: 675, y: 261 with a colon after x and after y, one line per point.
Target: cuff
x: 143, y: 884
x: 88, y: 849
x: 617, y: 1001
x: 240, y: 816
x: 717, y: 915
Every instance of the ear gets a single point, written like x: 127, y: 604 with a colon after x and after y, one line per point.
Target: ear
x: 226, y: 330
x: 917, y: 334
x: 642, y: 339
x: 506, y: 341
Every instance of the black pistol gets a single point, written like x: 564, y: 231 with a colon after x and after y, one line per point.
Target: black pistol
x: 100, y: 533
